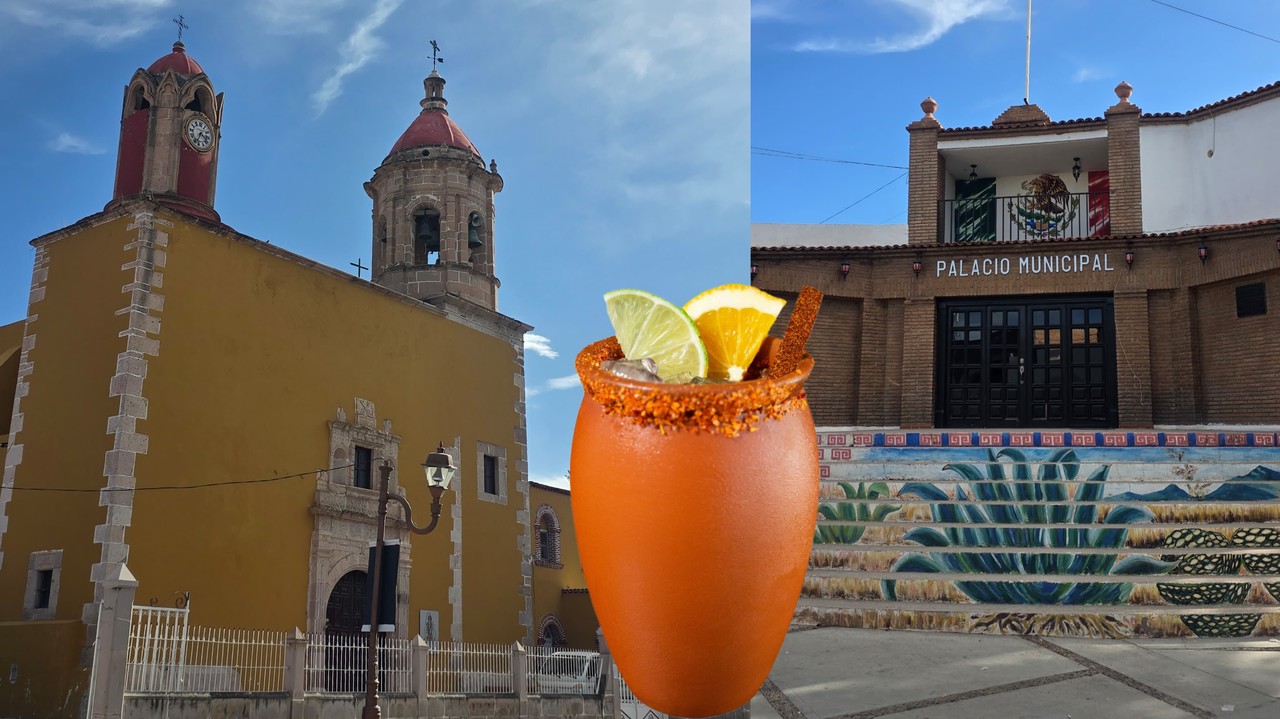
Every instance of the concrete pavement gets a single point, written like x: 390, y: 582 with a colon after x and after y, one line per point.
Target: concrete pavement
x: 831, y: 673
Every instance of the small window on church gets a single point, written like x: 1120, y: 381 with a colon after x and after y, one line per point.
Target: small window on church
x: 139, y: 99
x: 426, y: 238
x: 364, y: 468
x: 490, y: 474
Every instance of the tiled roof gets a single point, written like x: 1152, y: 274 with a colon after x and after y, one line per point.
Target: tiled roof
x: 1274, y: 221
x: 1024, y: 125
x: 1251, y: 94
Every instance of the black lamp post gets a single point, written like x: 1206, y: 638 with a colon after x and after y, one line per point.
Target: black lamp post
x: 439, y: 470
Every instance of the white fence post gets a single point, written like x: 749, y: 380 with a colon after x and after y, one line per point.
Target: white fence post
x: 520, y: 670
x: 295, y: 664
x: 609, y: 691
x: 111, y: 646
x: 421, y: 656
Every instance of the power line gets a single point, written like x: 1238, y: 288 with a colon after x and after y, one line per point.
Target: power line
x: 869, y: 194
x: 168, y: 487
x: 1219, y: 22
x: 787, y: 155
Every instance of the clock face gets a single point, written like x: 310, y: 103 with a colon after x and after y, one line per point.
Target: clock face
x: 199, y: 134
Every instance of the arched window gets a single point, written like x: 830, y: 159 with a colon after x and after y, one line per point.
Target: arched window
x: 426, y: 238
x: 550, y: 633
x: 548, y: 528
x: 475, y: 230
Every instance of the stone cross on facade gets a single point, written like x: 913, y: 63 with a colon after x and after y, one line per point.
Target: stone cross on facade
x: 181, y: 26
x: 435, y: 55
x: 358, y: 267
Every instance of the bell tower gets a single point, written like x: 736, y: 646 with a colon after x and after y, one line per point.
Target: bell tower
x: 433, y: 210
x: 169, y: 136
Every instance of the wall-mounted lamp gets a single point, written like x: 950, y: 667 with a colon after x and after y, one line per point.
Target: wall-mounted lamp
x: 1278, y: 244
x: 755, y: 270
x: 1075, y: 170
x: 973, y: 172
x: 844, y: 270
x: 916, y: 264
x: 1128, y: 257
x: 1203, y: 252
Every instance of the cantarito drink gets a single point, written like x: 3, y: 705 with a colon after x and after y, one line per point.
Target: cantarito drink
x: 694, y: 506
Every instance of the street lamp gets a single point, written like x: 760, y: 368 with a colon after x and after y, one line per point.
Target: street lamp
x: 439, y: 470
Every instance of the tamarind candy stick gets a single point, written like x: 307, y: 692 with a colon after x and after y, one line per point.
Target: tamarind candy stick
x: 798, y: 328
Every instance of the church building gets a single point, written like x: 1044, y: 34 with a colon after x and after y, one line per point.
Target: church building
x: 212, y: 410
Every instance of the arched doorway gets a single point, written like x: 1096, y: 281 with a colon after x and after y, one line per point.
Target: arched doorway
x: 344, y: 654
x: 346, y: 603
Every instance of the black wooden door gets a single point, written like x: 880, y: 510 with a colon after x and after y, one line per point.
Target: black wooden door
x: 345, y: 653
x: 1021, y: 363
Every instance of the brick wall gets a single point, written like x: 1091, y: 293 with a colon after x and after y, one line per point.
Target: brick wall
x: 1238, y: 356
x: 924, y: 181
x: 1173, y: 379
x: 1133, y: 358
x: 835, y: 346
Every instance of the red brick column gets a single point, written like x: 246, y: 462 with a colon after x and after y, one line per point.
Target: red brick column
x: 924, y: 179
x: 1133, y: 358
x: 1124, y: 164
x: 871, y: 384
x: 1173, y: 362
x: 918, y: 317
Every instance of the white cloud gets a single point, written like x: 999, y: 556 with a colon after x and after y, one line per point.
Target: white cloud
x: 566, y: 382
x: 1086, y: 74
x: 295, y: 17
x: 539, y: 345
x: 638, y: 55
x: 360, y: 48
x: 66, y: 142
x: 102, y: 23
x: 938, y: 17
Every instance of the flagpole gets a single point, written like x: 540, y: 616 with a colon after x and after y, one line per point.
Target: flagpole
x: 1026, y: 91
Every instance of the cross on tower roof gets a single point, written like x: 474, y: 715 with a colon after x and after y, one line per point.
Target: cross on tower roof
x: 435, y: 55
x: 181, y: 26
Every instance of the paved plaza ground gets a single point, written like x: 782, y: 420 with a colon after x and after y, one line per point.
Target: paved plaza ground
x: 831, y: 673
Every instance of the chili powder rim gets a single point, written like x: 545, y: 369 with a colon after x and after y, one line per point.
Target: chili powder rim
x: 727, y: 409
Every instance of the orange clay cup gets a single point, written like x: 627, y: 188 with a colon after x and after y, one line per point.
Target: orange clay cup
x: 694, y: 507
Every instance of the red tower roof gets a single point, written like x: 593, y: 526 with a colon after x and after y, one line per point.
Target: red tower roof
x: 178, y: 61
x: 434, y: 127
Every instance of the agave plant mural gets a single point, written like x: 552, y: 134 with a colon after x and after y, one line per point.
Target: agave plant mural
x: 1008, y: 505
x: 859, y: 510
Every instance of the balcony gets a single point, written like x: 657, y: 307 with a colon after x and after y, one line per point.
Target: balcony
x: 1037, y: 216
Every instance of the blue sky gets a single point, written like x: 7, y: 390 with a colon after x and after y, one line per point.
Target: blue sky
x: 842, y: 79
x: 620, y: 129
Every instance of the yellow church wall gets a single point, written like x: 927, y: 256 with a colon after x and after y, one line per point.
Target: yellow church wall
x: 257, y: 353
x: 50, y: 683
x: 63, y: 432
x: 10, y: 353
x: 573, y: 607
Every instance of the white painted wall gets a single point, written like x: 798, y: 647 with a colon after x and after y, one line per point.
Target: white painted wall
x: 1182, y: 187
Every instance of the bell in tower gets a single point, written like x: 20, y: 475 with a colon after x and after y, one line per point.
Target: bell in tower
x: 433, y: 210
x: 169, y: 132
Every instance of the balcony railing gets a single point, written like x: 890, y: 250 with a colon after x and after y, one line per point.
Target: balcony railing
x: 976, y: 220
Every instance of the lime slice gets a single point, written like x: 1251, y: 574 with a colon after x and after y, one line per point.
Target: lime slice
x: 648, y: 326
x: 733, y: 321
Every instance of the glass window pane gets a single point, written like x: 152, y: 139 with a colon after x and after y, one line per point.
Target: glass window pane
x: 1077, y: 335
x: 1055, y: 336
x: 975, y: 318
x: 1093, y: 336
x: 1039, y: 337
x: 957, y: 336
x: 1037, y: 318
x: 1012, y: 318
x: 997, y: 318
x: 1055, y: 317
x: 1077, y: 316
x: 957, y: 319
x: 1095, y: 316
x: 975, y: 335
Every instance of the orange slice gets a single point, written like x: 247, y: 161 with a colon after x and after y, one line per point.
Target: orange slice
x: 733, y: 320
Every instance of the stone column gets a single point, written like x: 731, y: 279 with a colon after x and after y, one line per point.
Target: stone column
x: 924, y: 181
x: 421, y: 655
x: 111, y: 645
x: 295, y: 671
x: 520, y: 670
x: 1124, y: 163
x: 1133, y: 358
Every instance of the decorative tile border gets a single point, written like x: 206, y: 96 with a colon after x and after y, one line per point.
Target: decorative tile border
x: 1140, y: 438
